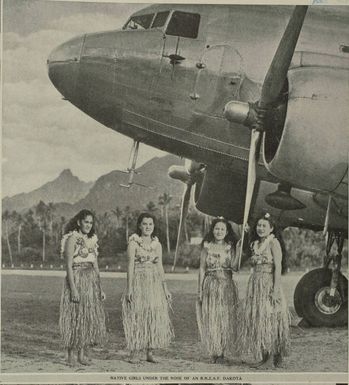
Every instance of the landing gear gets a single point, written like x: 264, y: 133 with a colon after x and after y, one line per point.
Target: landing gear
x: 131, y: 170
x: 321, y: 296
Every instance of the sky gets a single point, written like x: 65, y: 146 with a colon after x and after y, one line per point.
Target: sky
x: 41, y: 133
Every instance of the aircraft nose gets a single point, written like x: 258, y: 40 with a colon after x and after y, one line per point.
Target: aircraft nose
x: 63, y: 64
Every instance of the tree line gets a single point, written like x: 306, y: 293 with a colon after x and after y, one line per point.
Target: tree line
x: 33, y: 237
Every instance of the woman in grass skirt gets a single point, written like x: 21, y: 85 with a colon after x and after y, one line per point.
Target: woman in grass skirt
x: 82, y: 318
x: 217, y: 306
x: 146, y: 303
x: 265, y: 322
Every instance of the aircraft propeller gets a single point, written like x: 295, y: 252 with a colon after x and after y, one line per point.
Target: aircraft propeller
x: 187, y: 174
x: 254, y: 116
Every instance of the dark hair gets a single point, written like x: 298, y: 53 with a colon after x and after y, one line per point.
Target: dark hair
x: 139, y: 221
x: 277, y: 234
x: 74, y: 225
x: 229, y: 238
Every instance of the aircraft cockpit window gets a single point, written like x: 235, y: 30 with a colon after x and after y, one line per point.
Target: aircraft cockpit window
x: 160, y: 19
x: 184, y: 24
x: 139, y: 22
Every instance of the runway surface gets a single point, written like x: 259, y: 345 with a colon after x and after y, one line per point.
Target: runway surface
x: 31, y: 343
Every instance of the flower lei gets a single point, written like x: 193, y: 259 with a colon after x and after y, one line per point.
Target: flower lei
x: 216, y: 247
x: 139, y: 240
x: 81, y: 243
x: 258, y: 250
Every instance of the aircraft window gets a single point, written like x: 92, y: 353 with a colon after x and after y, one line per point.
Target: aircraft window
x: 160, y: 19
x: 140, y: 22
x: 184, y: 24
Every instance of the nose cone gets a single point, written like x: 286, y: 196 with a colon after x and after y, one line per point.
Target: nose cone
x: 63, y: 63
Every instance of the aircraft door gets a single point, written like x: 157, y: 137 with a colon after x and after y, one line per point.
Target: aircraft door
x: 182, y: 48
x: 218, y: 79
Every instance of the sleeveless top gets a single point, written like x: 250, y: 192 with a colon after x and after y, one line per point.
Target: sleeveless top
x: 85, y: 250
x: 146, y: 254
x: 219, y: 256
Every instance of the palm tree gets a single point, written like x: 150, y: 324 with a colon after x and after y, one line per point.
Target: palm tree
x: 56, y: 232
x: 42, y: 213
x: 151, y: 207
x: 62, y: 225
x: 7, y: 218
x: 61, y: 228
x: 118, y: 213
x: 50, y: 211
x: 164, y: 201
x: 103, y: 224
x: 127, y: 214
x: 19, y: 220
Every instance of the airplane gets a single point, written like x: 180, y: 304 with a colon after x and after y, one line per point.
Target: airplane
x: 254, y: 97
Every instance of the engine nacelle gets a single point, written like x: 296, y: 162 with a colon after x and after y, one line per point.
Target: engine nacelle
x: 313, y: 148
x: 221, y: 193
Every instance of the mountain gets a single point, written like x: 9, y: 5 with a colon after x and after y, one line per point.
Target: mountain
x: 107, y: 194
x: 65, y: 188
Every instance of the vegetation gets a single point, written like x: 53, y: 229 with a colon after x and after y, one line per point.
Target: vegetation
x: 33, y: 237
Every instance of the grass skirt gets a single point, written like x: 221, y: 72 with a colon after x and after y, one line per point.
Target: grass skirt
x: 146, y: 319
x: 265, y: 325
x: 218, y: 315
x: 82, y: 324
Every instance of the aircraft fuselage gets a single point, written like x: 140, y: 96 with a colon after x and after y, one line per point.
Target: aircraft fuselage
x: 168, y: 89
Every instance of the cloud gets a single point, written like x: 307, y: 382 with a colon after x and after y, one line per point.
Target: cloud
x: 43, y: 134
x: 26, y: 58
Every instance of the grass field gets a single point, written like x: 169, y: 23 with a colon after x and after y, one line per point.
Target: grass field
x: 31, y: 342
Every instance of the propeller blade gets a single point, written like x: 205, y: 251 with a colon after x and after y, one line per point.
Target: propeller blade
x: 251, y: 180
x: 183, y: 217
x: 271, y: 89
x: 276, y: 75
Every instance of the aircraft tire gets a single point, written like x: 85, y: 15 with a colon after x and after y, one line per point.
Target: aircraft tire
x: 298, y: 298
x: 311, y: 299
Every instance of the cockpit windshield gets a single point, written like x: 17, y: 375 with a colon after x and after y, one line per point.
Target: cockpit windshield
x: 160, y: 19
x: 183, y: 24
x: 139, y: 22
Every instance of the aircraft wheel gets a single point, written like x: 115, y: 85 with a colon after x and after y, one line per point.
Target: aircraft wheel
x: 313, y: 302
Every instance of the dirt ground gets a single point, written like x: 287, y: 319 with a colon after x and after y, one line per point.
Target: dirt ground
x: 31, y: 342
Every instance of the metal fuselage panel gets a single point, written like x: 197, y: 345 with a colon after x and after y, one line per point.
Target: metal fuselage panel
x: 126, y: 80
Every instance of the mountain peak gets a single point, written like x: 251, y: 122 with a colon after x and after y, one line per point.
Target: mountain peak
x: 66, y: 173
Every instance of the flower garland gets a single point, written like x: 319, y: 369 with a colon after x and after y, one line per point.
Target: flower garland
x: 140, y: 241
x: 217, y: 247
x: 82, y: 242
x: 259, y: 250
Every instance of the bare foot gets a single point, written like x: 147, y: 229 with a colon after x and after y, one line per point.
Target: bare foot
x: 87, y: 356
x: 83, y: 361
x: 220, y: 360
x: 71, y: 361
x: 150, y: 357
x: 267, y: 365
x: 277, y: 360
x: 257, y: 364
x: 81, y: 358
x: 132, y: 359
x: 88, y: 359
